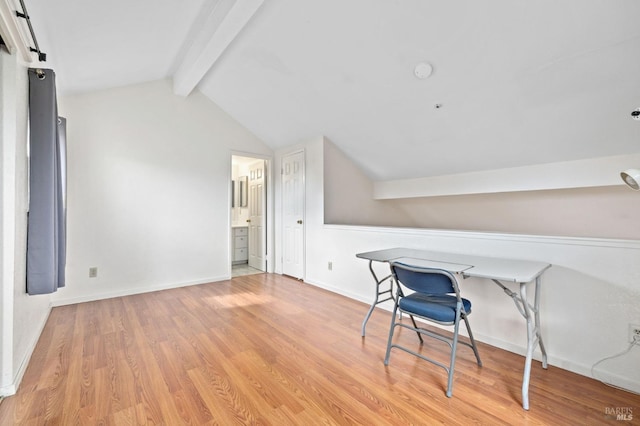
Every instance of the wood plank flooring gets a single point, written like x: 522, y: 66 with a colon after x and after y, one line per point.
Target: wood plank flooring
x: 267, y: 349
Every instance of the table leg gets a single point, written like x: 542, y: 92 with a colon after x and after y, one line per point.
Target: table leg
x: 379, y: 292
x: 538, y: 331
x: 530, y: 343
x: 534, y: 336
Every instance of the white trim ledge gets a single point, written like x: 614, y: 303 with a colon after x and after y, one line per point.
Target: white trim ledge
x: 592, y: 172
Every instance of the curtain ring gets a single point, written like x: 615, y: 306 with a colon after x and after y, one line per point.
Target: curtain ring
x: 41, y: 74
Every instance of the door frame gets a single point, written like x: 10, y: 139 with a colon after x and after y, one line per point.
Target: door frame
x: 269, y: 209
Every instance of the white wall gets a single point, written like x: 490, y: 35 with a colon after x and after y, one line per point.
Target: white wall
x: 348, y: 194
x: 148, y: 190
x: 588, y: 297
x: 22, y: 317
x: 602, y: 212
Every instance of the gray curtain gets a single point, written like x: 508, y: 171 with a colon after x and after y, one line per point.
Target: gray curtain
x: 46, y: 233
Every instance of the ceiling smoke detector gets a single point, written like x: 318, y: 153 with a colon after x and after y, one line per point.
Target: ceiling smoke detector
x: 423, y: 70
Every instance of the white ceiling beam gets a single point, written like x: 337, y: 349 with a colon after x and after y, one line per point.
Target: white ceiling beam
x: 10, y: 29
x: 220, y: 28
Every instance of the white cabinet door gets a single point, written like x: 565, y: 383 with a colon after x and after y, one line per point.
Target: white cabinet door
x: 240, y: 243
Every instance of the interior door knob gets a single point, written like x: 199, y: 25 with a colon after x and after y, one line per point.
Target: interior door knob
x: 299, y: 222
x: 248, y: 220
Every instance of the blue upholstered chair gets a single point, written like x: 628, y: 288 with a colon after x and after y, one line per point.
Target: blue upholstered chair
x: 435, y: 298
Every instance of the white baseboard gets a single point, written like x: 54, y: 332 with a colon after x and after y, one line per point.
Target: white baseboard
x: 342, y: 292
x: 618, y: 381
x: 135, y: 290
x: 12, y: 388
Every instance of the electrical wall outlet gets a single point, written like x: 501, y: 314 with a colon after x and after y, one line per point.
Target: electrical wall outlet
x: 634, y: 332
x: 93, y: 272
x: 330, y: 266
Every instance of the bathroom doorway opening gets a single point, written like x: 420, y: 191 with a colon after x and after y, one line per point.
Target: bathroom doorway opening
x: 248, y: 215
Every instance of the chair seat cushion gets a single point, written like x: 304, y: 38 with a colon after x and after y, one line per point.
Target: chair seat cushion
x: 437, y: 307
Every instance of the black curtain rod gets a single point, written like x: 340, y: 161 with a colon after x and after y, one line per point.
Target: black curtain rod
x: 42, y: 57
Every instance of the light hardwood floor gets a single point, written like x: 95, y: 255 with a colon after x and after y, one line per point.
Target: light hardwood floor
x: 267, y: 349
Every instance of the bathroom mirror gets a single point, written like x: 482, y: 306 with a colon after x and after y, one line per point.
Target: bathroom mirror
x: 240, y: 192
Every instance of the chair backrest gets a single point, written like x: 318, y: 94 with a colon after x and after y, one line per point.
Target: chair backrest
x: 425, y: 280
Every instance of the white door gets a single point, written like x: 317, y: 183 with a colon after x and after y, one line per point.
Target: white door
x: 293, y: 215
x: 257, y: 207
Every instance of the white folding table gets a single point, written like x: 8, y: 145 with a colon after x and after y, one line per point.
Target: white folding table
x: 498, y: 270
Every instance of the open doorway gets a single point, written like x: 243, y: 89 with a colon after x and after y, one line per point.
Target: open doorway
x: 248, y: 215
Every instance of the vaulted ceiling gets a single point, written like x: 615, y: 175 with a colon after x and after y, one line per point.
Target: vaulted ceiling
x: 518, y: 82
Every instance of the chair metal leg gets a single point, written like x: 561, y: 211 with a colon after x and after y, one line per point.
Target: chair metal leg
x: 454, y: 346
x: 399, y: 295
x: 452, y: 342
x: 413, y: 320
x: 391, y: 330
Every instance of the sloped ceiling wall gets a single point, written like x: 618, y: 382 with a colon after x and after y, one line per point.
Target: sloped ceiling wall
x: 520, y: 82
